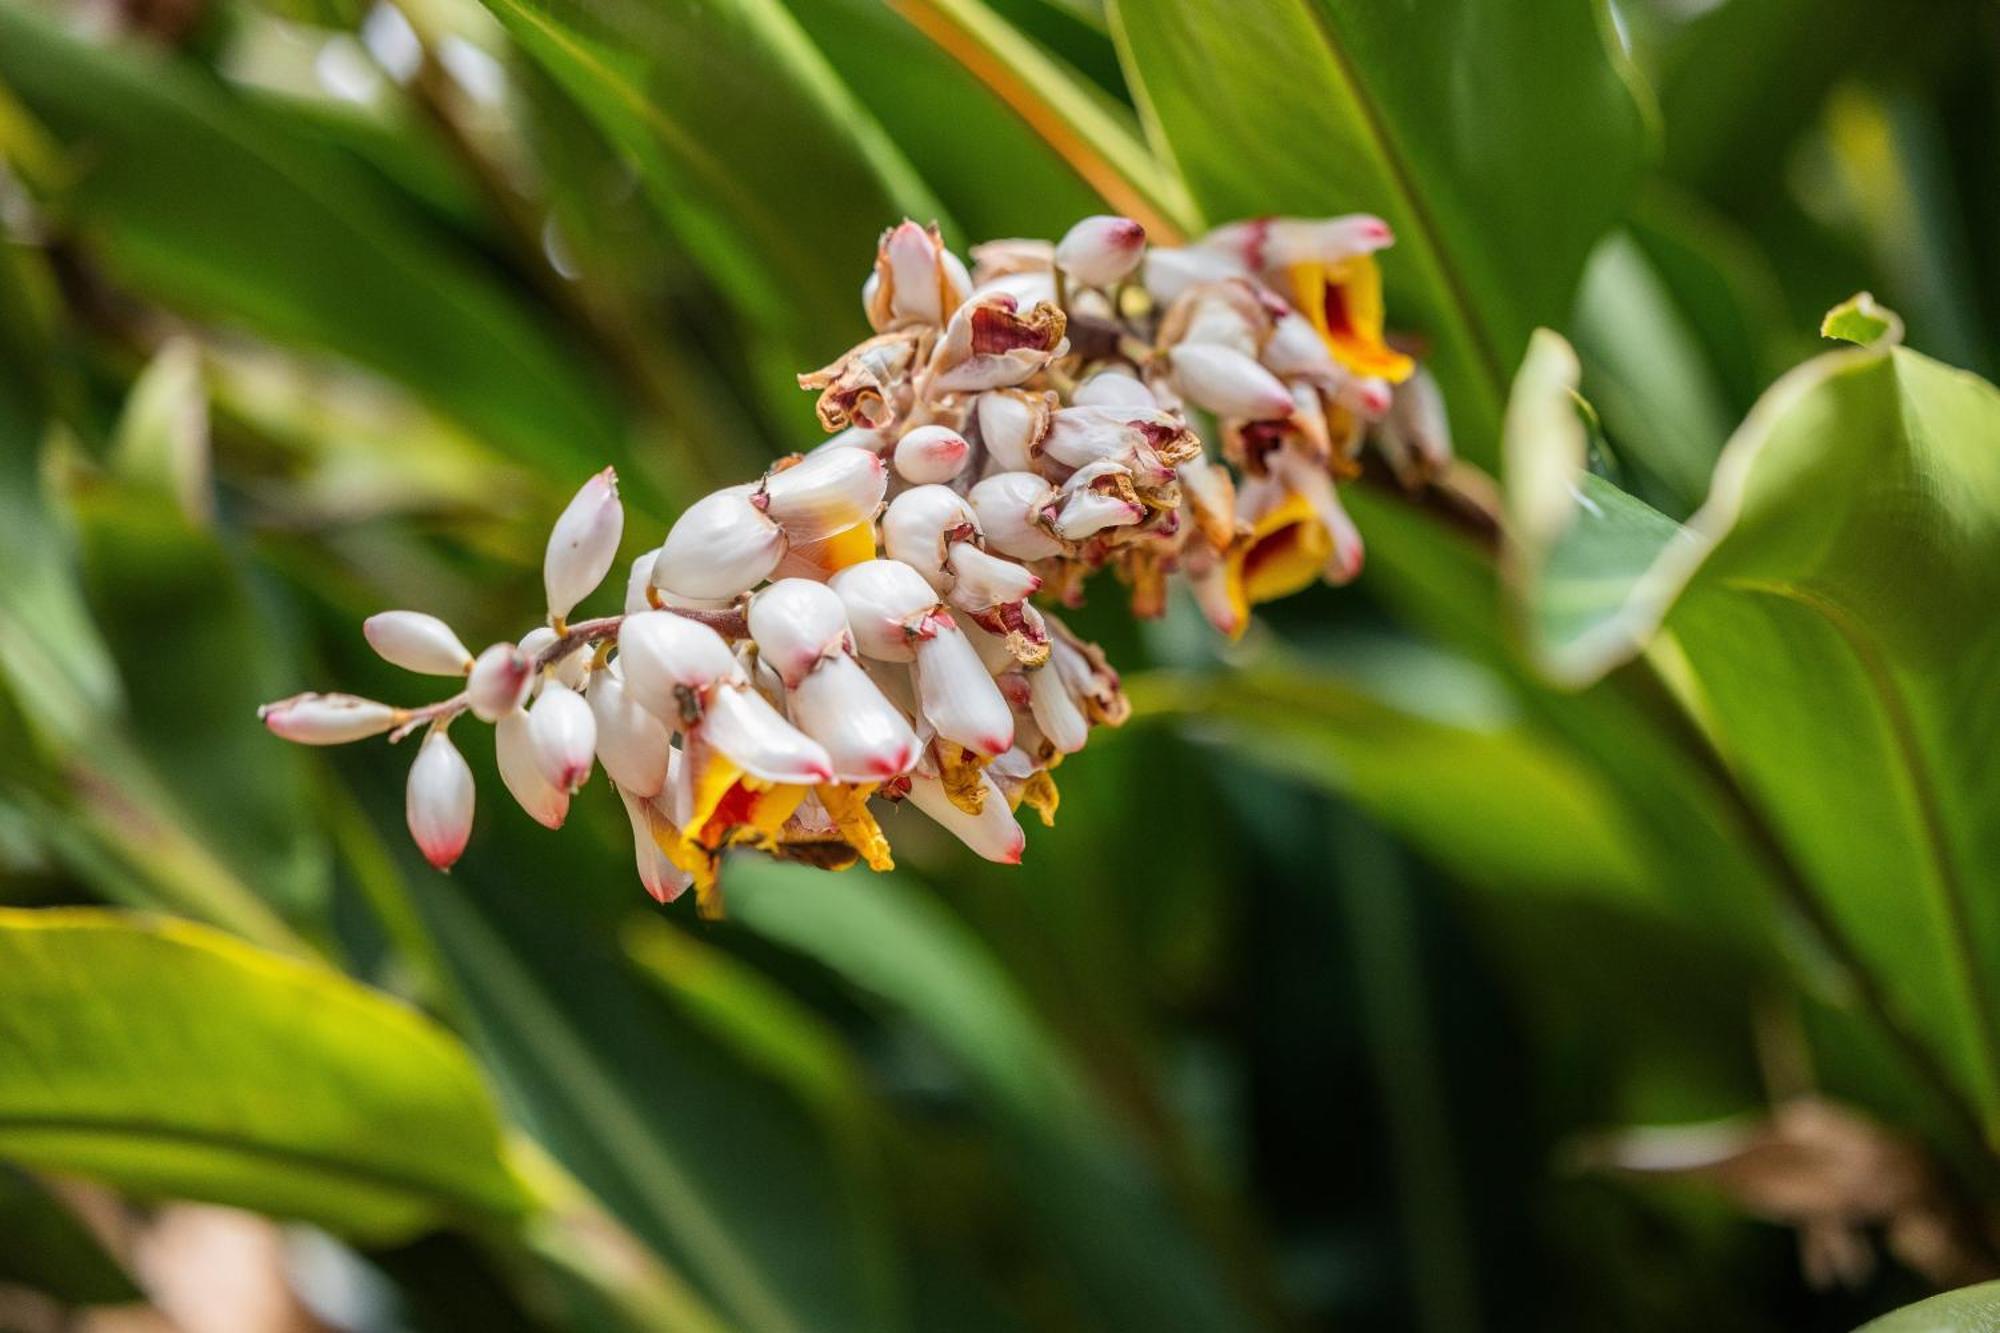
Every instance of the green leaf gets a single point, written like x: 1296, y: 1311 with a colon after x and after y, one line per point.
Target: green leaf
x: 50, y: 1249
x: 1497, y: 181
x: 1967, y: 1310
x: 208, y: 204
x: 170, y: 1060
x: 1823, y: 617
x: 1863, y: 322
x: 1104, y: 1209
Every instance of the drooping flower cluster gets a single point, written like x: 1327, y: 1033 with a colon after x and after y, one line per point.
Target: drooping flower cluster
x: 871, y: 621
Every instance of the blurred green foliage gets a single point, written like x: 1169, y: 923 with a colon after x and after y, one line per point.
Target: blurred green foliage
x: 1322, y: 1005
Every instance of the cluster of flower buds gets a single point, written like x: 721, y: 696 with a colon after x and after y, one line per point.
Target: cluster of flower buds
x: 862, y: 622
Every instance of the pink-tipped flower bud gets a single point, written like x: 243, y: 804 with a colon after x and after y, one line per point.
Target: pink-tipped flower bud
x: 1100, y: 251
x: 1228, y: 383
x: 889, y: 607
x: 826, y: 492
x: 992, y: 833
x: 1295, y: 350
x: 499, y: 682
x: 721, y: 545
x: 663, y: 880
x: 1058, y: 715
x: 438, y: 801
x: 1014, y: 510
x: 327, y: 719
x: 565, y: 734
x: 521, y: 771
x: 1086, y: 512
x: 663, y: 654
x: 742, y: 725
x: 583, y: 544
x: 1169, y: 274
x: 632, y: 743
x: 921, y: 523
x: 417, y: 642
x: 1115, y: 388
x: 982, y: 582
x: 796, y: 623
x: 867, y: 738
x: 931, y: 454
x: 958, y: 695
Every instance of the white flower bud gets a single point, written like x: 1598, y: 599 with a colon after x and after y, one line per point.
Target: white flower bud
x: 640, y: 579
x: 1086, y: 513
x: 1228, y: 383
x: 662, y: 879
x: 327, y: 719
x: 982, y: 582
x: 993, y: 833
x: 1079, y: 436
x: 1296, y: 349
x: 1289, y: 241
x: 826, y: 491
x: 867, y: 738
x: 958, y: 694
x: 1056, y: 712
x: 931, y: 454
x: 583, y: 544
x: 662, y: 654
x: 1170, y: 273
x: 889, y: 607
x: 923, y: 281
x: 796, y: 623
x: 721, y: 545
x: 632, y: 743
x: 438, y: 801
x: 1115, y: 388
x: 565, y: 734
x: 1366, y: 396
x: 417, y: 642
x: 920, y: 523
x: 1010, y: 425
x: 570, y: 669
x: 1100, y: 251
x: 1011, y: 508
x: 521, y: 771
x: 499, y: 682
x: 742, y: 725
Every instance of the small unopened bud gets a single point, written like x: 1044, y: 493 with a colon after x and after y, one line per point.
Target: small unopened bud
x: 1296, y: 349
x: 920, y: 523
x: 583, y: 544
x: 992, y: 833
x: 958, y: 694
x: 1012, y: 509
x: 1011, y: 423
x: 1170, y: 273
x: 931, y: 454
x: 438, y: 802
x: 417, y: 642
x: 916, y: 280
x: 828, y: 490
x: 1086, y: 513
x: 521, y: 771
x: 1224, y: 381
x: 638, y: 581
x: 1114, y: 388
x: 327, y: 719
x: 565, y: 735
x: 1056, y: 712
x: 632, y: 743
x: 1100, y: 251
x: 796, y: 623
x: 889, y: 607
x: 867, y: 738
x: 499, y: 682
x: 663, y: 654
x: 742, y: 725
x: 721, y: 545
x: 982, y: 582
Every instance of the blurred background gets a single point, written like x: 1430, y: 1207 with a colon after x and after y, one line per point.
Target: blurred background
x: 1367, y: 980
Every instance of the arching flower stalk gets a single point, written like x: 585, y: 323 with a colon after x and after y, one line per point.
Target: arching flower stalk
x: 870, y: 625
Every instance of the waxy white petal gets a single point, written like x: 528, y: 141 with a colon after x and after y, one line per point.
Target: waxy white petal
x: 1058, y: 715
x: 499, y: 682
x: 521, y: 771
x: 1114, y: 388
x: 662, y: 654
x: 866, y: 737
x: 632, y: 743
x: 565, y: 735
x: 796, y: 623
x: 889, y: 606
x: 1086, y: 513
x: 982, y: 582
x: 1296, y: 349
x: 415, y: 641
x: 1100, y: 251
x: 1010, y: 508
x: 662, y: 879
x: 931, y: 454
x: 1228, y: 383
x: 1010, y: 425
x: 993, y: 833
x: 958, y: 695
x: 920, y: 523
x: 826, y: 491
x: 327, y: 719
x: 437, y: 804
x: 638, y: 581
x: 721, y: 545
x: 743, y: 725
x: 583, y: 544
x: 1168, y: 274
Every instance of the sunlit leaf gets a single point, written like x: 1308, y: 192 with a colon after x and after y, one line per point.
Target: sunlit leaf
x: 1967, y: 1310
